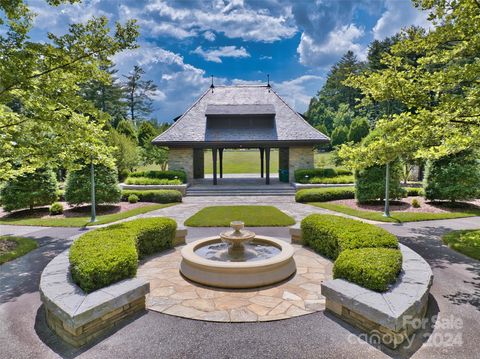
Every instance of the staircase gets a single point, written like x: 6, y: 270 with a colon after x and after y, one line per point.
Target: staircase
x: 240, y: 191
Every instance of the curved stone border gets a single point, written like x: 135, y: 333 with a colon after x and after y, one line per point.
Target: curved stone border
x: 144, y: 187
x: 391, y: 315
x: 78, y: 317
x: 171, y: 293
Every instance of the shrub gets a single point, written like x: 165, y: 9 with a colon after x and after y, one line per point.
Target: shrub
x: 372, y: 268
x: 107, y: 255
x: 415, y: 203
x: 303, y: 175
x: 123, y: 174
x: 172, y: 175
x: 329, y: 235
x: 133, y: 198
x: 370, y: 183
x: 333, y: 180
x: 56, y: 208
x: 414, y: 191
x: 157, y: 196
x: 339, y: 135
x: 455, y: 177
x: 324, y: 194
x: 29, y: 190
x: 78, y: 186
x: 343, y: 172
x: 358, y: 129
x: 152, y: 181
x: 60, y: 195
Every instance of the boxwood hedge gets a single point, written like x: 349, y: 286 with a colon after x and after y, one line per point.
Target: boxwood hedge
x: 107, y: 255
x: 157, y: 196
x: 170, y: 175
x: 305, y: 175
x: 332, y: 236
x: 324, y: 194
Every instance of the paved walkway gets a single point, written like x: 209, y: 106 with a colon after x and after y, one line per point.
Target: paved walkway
x: 455, y: 295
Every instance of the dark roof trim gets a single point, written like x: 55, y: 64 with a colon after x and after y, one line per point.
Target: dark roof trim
x: 242, y: 144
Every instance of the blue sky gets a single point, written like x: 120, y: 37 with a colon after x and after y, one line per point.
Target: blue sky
x: 184, y: 42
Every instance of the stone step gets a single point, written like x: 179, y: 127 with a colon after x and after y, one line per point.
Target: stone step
x: 240, y: 192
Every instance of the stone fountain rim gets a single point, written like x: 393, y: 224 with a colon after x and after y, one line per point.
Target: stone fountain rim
x: 188, y: 254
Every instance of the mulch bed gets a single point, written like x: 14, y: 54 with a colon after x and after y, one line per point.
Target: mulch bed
x: 405, y: 205
x: 7, y: 245
x: 71, y: 211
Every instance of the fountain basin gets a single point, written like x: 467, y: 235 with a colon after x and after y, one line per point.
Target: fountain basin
x: 238, y: 274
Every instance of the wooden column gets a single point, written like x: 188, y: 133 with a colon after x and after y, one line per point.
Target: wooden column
x: 267, y: 165
x: 262, y: 152
x: 220, y: 153
x: 214, y: 163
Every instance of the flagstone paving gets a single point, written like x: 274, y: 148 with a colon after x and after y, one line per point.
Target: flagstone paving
x: 171, y: 294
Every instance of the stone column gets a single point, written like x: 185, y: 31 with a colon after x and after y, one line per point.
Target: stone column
x: 181, y: 159
x: 299, y: 157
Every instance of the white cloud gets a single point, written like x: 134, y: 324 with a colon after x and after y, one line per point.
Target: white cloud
x: 399, y: 14
x: 209, y: 35
x: 298, y: 91
x: 264, y: 57
x: 216, y: 54
x: 335, y: 45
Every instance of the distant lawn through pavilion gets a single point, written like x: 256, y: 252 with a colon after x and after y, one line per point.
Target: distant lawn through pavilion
x: 253, y: 216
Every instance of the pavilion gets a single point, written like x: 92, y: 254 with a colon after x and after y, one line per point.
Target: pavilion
x: 245, y: 116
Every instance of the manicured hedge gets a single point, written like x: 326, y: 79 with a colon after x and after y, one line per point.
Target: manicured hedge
x: 171, y: 175
x: 415, y: 191
x: 306, y: 175
x: 157, y: 196
x: 373, y: 268
x: 363, y: 251
x: 152, y: 181
x: 107, y: 255
x: 324, y: 194
x: 343, y: 179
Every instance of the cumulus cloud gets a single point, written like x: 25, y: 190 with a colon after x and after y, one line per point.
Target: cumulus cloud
x: 216, y: 54
x: 399, y: 14
x: 335, y: 45
x: 298, y: 91
x: 209, y: 35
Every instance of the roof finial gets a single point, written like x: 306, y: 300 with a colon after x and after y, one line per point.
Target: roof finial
x: 212, y: 86
x: 268, y: 80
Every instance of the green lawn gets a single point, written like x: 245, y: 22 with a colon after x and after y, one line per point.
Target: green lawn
x: 466, y: 242
x: 396, y: 216
x: 24, y: 245
x: 253, y: 216
x: 83, y: 221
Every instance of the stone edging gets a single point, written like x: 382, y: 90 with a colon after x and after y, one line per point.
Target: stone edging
x: 78, y: 317
x: 390, y: 315
x: 143, y: 187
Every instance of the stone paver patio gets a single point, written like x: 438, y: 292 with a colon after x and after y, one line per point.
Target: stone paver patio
x: 171, y: 294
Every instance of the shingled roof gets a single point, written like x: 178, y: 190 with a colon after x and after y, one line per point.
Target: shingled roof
x: 251, y: 104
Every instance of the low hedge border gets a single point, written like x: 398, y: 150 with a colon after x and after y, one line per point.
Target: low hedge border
x: 169, y: 175
x: 157, y: 196
x: 364, y: 254
x: 107, y: 255
x: 152, y: 181
x: 324, y: 194
x: 306, y: 175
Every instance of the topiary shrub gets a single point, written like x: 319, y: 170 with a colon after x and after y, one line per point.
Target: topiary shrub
x: 454, y: 178
x: 171, y: 175
x: 56, y: 208
x: 29, y: 190
x: 370, y: 183
x: 372, y: 268
x: 78, y: 186
x: 107, y: 255
x: 157, y: 196
x: 324, y: 194
x: 364, y: 254
x: 329, y: 235
x: 415, y: 203
x: 133, y: 198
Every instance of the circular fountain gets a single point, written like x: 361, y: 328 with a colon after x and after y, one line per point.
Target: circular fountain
x: 237, y: 259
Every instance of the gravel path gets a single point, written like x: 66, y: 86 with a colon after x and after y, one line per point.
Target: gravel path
x: 455, y: 294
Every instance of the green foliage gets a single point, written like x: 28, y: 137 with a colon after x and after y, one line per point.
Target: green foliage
x: 415, y: 203
x: 56, y: 208
x: 466, y: 242
x: 152, y: 181
x: 29, y: 190
x: 78, y: 186
x: 302, y: 175
x: 138, y: 94
x: 126, y: 154
x: 171, y: 175
x: 21, y: 247
x: 123, y: 174
x: 414, y: 191
x: 324, y: 194
x: 107, y: 255
x: 146, y: 132
x: 133, y: 198
x: 157, y: 196
x: 43, y: 116
x: 358, y: 129
x: 339, y: 136
x: 154, y: 155
x: 372, y: 268
x: 364, y: 254
x: 126, y: 128
x: 333, y: 180
x: 455, y: 178
x: 370, y: 183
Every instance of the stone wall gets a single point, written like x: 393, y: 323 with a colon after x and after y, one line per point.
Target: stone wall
x: 299, y: 157
x: 181, y: 159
